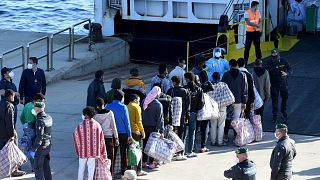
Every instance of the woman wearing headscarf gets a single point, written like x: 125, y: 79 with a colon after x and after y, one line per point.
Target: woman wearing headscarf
x: 152, y: 120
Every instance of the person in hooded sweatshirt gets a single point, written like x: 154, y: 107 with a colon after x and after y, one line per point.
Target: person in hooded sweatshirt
x: 262, y: 83
x: 115, y: 85
x: 134, y: 85
x: 217, y: 63
x: 236, y: 82
x: 162, y: 78
x: 96, y: 89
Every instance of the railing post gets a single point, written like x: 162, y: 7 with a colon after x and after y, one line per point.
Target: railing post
x: 72, y: 42
x: 1, y: 63
x: 187, y: 65
x: 23, y: 60
x: 48, y: 50
x: 28, y: 52
x: 51, y: 52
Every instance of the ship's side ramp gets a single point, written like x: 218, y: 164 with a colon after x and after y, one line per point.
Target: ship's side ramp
x: 304, y: 89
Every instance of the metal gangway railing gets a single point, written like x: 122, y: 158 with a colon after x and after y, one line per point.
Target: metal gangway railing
x: 50, y: 50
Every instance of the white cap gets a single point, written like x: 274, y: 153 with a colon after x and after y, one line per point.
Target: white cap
x: 130, y: 174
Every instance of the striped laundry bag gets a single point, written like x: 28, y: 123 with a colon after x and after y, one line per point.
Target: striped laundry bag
x: 176, y: 104
x: 245, y: 132
x: 11, y: 158
x: 257, y: 126
x: 171, y: 135
x: 258, y: 102
x: 102, y: 170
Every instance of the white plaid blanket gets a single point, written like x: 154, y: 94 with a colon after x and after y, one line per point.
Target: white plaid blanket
x: 221, y: 94
x: 176, y: 110
x: 11, y: 158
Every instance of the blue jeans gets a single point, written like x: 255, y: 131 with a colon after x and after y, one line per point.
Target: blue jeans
x: 191, y: 132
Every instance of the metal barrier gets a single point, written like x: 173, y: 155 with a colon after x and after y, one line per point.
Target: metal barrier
x: 52, y: 51
x: 13, y: 50
x: 45, y: 55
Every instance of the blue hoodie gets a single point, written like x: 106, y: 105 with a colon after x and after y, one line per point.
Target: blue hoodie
x: 121, y: 116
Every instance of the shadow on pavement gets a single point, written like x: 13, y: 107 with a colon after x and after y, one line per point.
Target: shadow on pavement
x: 310, y: 172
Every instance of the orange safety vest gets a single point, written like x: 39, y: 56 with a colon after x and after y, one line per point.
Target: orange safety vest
x: 254, y: 19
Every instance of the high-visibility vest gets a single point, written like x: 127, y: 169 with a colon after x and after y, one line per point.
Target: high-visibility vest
x: 254, y: 19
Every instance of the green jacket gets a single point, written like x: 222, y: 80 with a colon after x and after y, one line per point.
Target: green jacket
x: 26, y: 115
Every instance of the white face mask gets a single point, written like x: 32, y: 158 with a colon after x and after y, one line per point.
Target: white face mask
x: 11, y: 74
x: 276, y: 135
x: 236, y: 160
x: 33, y: 112
x: 184, y: 66
x: 83, y: 117
x: 29, y: 66
x: 217, y: 54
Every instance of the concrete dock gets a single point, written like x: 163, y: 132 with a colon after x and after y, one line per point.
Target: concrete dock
x: 65, y: 100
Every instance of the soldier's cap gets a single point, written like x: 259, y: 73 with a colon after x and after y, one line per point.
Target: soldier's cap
x: 39, y: 104
x: 281, y: 126
x: 275, y: 50
x: 242, y: 150
x: 258, y: 62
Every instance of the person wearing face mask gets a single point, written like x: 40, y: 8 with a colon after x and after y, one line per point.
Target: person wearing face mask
x: 96, y: 89
x: 42, y: 143
x: 253, y: 21
x: 179, y: 71
x: 199, y: 69
x: 121, y: 116
x: 217, y: 63
x: 278, y: 69
x: 282, y: 155
x: 7, y: 83
x: 28, y: 120
x: 7, y: 130
x: 32, y: 81
x: 137, y: 129
x: 245, y: 169
x: 89, y: 151
x: 162, y: 78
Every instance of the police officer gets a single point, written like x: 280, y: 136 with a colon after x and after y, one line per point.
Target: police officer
x: 282, y: 155
x: 278, y: 69
x: 252, y: 21
x: 245, y: 169
x: 42, y: 144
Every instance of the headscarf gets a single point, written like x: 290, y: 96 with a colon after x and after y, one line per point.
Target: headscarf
x: 155, y: 91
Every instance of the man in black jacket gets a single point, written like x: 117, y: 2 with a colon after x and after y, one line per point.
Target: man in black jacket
x: 7, y: 130
x: 33, y: 80
x: 42, y: 144
x: 245, y: 169
x: 282, y: 155
x: 96, y: 90
x: 249, y: 105
x: 196, y: 103
x: 278, y: 69
x: 177, y: 92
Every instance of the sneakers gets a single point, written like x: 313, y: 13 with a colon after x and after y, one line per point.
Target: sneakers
x: 18, y: 173
x: 180, y: 158
x: 152, y: 166
x: 225, y: 141
x: 204, y: 149
x: 191, y: 155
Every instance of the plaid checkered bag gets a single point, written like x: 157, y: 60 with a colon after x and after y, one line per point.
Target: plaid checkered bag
x: 222, y: 94
x: 165, y: 149
x: 11, y: 158
x: 102, y: 170
x: 244, y: 129
x: 258, y: 102
x: 176, y: 110
x: 171, y: 135
x: 257, y: 127
x: 150, y: 148
x: 210, y: 109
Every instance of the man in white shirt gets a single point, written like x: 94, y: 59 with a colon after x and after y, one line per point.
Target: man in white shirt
x: 179, y: 71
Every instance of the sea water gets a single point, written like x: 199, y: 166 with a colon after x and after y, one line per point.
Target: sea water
x: 44, y: 15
